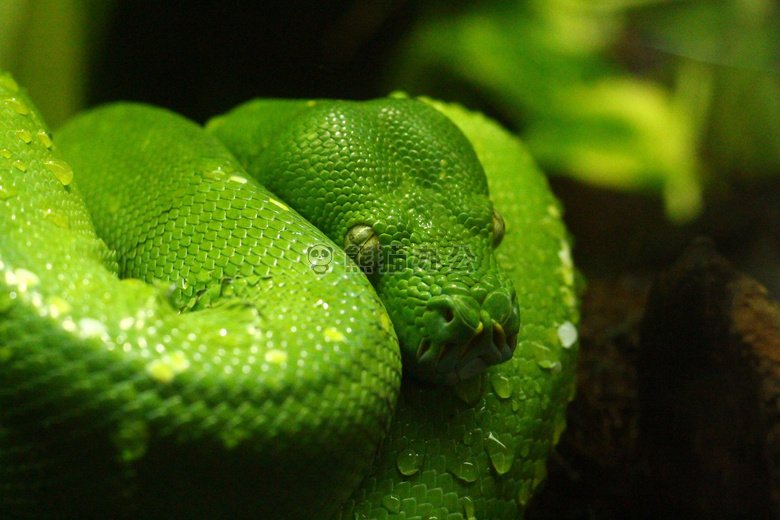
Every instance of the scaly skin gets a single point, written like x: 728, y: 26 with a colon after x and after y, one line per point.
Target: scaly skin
x: 270, y: 394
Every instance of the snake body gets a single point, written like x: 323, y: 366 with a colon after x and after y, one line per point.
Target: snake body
x: 209, y: 362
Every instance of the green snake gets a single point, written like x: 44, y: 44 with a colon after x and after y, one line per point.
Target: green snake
x: 214, y: 322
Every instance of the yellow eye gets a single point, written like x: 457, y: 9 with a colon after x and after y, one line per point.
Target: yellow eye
x: 498, y: 228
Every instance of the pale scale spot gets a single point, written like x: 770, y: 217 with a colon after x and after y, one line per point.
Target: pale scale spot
x: 37, y: 301
x: 58, y: 307
x: 567, y: 269
x: 569, y: 299
x: 158, y: 370
x: 178, y: 362
x: 168, y: 366
x: 332, y: 334
x: 69, y: 325
x: 565, y: 255
x: 126, y: 323
x: 91, y: 328
x: 276, y: 356
x: 567, y: 333
x: 22, y: 278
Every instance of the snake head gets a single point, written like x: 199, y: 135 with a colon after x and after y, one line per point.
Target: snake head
x: 400, y: 186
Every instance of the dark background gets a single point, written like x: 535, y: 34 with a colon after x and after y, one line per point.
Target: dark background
x: 201, y: 59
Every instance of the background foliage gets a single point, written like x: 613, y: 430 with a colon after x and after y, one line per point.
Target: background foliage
x: 673, y: 98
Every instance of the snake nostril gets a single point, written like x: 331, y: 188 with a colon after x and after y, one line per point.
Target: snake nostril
x: 448, y: 315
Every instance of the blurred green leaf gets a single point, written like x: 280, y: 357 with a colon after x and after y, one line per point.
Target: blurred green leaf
x: 738, y: 41
x: 45, y: 45
x: 703, y: 112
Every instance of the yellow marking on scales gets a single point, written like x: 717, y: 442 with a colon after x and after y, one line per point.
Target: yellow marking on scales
x: 332, y: 334
x: 167, y: 367
x: 280, y: 204
x: 276, y: 356
x: 126, y: 323
x: 22, y: 278
x: 58, y: 307
x: 443, y: 172
x: 385, y: 323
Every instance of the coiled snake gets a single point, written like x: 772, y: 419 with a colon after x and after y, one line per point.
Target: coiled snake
x: 213, y: 354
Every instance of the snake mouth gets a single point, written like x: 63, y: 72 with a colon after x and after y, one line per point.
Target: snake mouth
x: 457, y: 362
x: 462, y: 335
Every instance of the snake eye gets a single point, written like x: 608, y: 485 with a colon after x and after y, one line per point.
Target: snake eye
x: 362, y: 245
x: 498, y: 228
